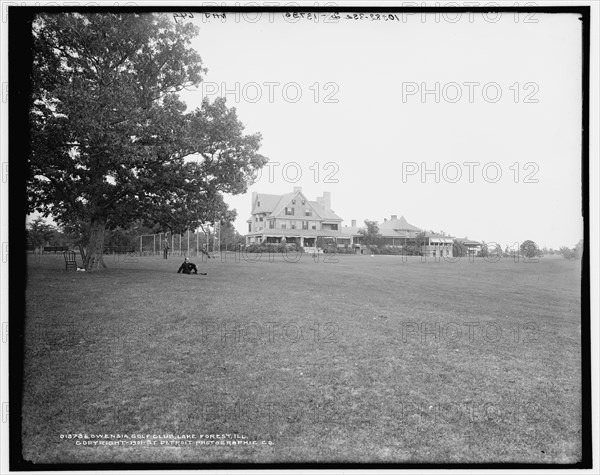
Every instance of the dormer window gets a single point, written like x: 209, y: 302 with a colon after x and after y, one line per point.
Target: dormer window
x: 303, y: 202
x: 293, y: 202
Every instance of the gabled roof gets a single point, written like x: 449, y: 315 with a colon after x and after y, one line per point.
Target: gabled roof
x: 267, y: 203
x: 324, y: 213
x: 283, y: 202
x: 351, y: 230
x: 386, y: 233
x: 392, y: 233
x: 398, y: 224
x: 274, y: 205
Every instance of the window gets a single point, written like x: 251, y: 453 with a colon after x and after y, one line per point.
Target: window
x: 308, y: 212
x: 289, y: 211
x: 260, y: 219
x: 313, y: 225
x: 304, y: 224
x: 303, y: 202
x: 258, y: 204
x: 334, y: 227
x: 293, y: 224
x: 271, y: 224
x: 293, y: 202
x: 283, y: 226
x: 249, y: 227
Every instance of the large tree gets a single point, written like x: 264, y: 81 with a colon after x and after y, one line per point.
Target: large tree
x: 459, y: 249
x: 530, y: 249
x: 370, y: 233
x: 111, y: 140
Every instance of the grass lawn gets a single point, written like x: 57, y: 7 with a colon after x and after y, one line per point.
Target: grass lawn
x: 370, y: 359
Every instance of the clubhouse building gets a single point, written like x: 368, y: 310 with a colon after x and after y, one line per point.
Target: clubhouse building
x: 397, y: 232
x: 293, y: 218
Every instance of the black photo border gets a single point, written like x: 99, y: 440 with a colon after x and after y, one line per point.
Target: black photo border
x: 20, y: 46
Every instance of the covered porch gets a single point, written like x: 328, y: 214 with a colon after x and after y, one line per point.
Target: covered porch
x: 304, y: 238
x: 439, y: 246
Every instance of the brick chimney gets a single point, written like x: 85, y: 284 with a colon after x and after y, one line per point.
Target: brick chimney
x: 394, y: 216
x: 297, y: 189
x: 354, y: 223
x: 327, y: 200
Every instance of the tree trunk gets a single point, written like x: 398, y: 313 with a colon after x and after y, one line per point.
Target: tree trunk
x: 95, y: 247
x: 82, y: 253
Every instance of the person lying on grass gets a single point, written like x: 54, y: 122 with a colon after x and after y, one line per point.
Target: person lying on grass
x: 189, y: 268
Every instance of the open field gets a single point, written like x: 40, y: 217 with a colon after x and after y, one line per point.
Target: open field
x: 370, y: 359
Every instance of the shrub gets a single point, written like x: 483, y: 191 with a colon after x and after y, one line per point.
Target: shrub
x: 385, y: 250
x: 273, y: 248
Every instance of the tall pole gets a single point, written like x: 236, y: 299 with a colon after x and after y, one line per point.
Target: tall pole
x: 154, y: 247
x: 187, y: 251
x: 140, y: 244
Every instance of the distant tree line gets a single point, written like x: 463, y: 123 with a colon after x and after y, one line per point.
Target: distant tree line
x: 39, y: 234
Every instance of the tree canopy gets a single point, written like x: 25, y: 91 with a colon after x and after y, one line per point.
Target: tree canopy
x: 370, y: 232
x: 39, y: 232
x: 112, y: 141
x: 529, y: 249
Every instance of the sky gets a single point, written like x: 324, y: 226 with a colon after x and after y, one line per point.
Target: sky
x: 364, y: 109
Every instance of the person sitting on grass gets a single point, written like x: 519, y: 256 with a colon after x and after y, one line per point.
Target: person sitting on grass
x: 188, y: 267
